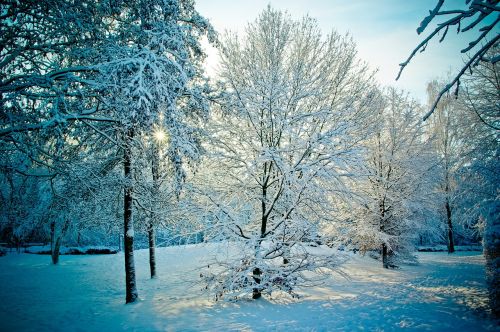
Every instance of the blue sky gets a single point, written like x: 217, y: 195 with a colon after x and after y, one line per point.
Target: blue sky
x: 384, y: 30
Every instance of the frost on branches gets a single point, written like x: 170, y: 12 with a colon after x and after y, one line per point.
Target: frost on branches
x: 284, y: 141
x: 397, y: 194
x: 151, y: 75
x: 72, y: 70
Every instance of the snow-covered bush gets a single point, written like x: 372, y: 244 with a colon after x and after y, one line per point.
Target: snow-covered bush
x: 239, y: 272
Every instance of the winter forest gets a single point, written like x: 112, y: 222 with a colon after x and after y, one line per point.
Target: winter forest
x: 287, y: 190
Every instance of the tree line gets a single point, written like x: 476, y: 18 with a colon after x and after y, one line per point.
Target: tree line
x: 292, y: 154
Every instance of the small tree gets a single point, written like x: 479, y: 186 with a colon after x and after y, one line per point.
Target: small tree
x: 24, y: 199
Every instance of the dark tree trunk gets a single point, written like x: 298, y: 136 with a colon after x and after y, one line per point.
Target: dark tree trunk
x: 451, y: 244
x: 256, y: 293
x: 385, y: 256
x: 56, y: 247
x: 152, y: 256
x: 52, y: 235
x: 154, y: 215
x: 263, y: 224
x: 128, y: 222
x: 385, y: 251
x: 56, y: 250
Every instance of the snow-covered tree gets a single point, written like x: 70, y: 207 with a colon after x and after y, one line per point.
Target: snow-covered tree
x: 155, y: 189
x: 152, y: 70
x: 483, y: 53
x: 285, y: 139
x: 481, y: 176
x: 396, y: 196
x: 481, y: 92
x: 448, y: 142
x: 106, y: 67
x: 83, y: 196
x: 24, y: 199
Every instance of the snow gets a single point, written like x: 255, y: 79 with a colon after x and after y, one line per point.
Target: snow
x: 443, y: 247
x: 86, y: 293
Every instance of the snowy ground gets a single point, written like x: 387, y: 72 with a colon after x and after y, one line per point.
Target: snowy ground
x: 86, y: 293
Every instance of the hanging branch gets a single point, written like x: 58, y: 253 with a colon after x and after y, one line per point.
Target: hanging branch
x: 480, y: 8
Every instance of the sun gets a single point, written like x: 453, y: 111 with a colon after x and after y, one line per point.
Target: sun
x: 160, y: 135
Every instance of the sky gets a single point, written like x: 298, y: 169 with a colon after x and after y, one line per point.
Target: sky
x: 384, y: 31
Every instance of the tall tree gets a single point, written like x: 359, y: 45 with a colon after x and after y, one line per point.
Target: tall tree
x: 484, y: 49
x: 155, y: 69
x: 446, y: 130
x: 92, y: 64
x: 481, y: 98
x: 284, y: 140
x: 154, y: 190
x: 398, y: 187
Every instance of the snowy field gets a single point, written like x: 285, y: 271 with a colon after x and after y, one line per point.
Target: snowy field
x: 86, y: 293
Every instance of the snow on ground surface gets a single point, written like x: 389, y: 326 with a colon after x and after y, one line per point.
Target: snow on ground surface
x: 445, y: 248
x: 86, y: 293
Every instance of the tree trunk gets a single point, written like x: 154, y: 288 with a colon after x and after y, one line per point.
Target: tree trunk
x: 128, y: 221
x: 385, y: 253
x: 451, y: 244
x: 152, y: 256
x: 154, y: 215
x: 56, y: 247
x: 256, y: 293
x: 55, y: 250
x: 492, y: 254
x: 52, y: 235
x: 385, y: 256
